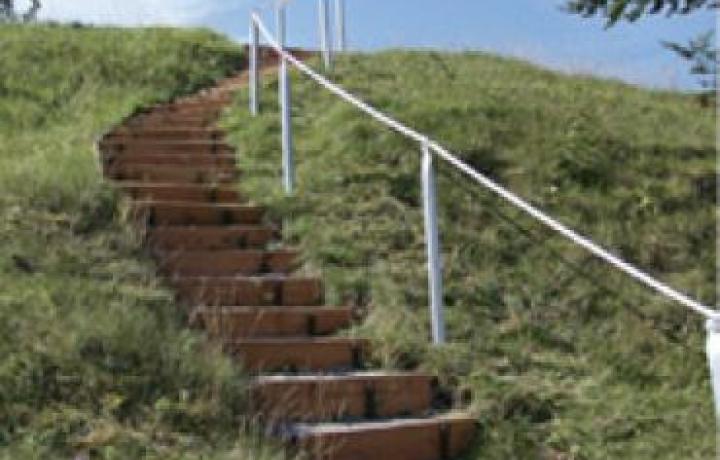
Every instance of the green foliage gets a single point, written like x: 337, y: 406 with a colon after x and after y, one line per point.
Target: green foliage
x: 95, y: 355
x: 9, y: 14
x: 700, y: 52
x: 632, y: 10
x: 703, y: 55
x: 565, y: 357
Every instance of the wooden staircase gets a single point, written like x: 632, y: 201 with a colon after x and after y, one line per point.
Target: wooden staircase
x: 312, y: 387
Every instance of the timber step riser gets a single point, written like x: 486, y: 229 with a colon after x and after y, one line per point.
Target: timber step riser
x: 159, y: 175
x: 190, y: 193
x: 164, y: 114
x: 189, y: 112
x: 158, y: 135
x: 165, y: 148
x: 440, y: 440
x: 193, y: 105
x: 339, y: 398
x: 239, y: 323
x: 209, y: 238
x: 307, y: 355
x: 264, y: 292
x: 160, y: 213
x: 226, y: 263
x: 173, y: 160
x: 176, y: 122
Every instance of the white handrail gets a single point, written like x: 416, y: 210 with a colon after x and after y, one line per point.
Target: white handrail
x: 575, y: 237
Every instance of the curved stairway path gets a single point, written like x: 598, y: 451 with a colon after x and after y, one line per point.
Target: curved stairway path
x: 311, y: 387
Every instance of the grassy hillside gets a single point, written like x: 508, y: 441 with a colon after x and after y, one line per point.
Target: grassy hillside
x: 565, y: 358
x: 94, y: 355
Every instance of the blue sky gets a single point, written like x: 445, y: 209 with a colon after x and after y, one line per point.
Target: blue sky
x: 531, y: 29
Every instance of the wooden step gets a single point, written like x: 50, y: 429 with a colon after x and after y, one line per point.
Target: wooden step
x: 225, y: 94
x: 191, y: 109
x: 226, y: 262
x: 243, y: 322
x: 135, y: 146
x: 298, y: 354
x: 175, y: 159
x: 250, y: 291
x: 174, y: 174
x: 196, y: 193
x: 164, y: 134
x: 165, y: 120
x: 209, y: 238
x: 154, y: 112
x: 215, y: 100
x: 203, y: 104
x: 157, y: 213
x: 368, y: 395
x: 437, y: 438
x: 209, y: 95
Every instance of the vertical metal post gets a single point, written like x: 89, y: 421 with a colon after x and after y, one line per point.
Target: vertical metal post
x: 325, y: 38
x: 280, y: 24
x: 432, y: 242
x: 712, y: 348
x: 340, y: 33
x: 285, y: 106
x: 254, y: 65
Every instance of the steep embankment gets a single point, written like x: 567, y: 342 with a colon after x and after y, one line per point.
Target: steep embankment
x: 565, y: 358
x: 94, y: 355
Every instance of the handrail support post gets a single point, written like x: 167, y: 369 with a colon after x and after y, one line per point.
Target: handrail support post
x: 285, y: 95
x: 340, y: 31
x: 432, y: 244
x: 325, y: 35
x: 254, y: 66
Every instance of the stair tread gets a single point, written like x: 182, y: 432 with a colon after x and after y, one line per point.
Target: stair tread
x: 192, y: 204
x: 272, y: 310
x: 177, y: 159
x: 351, y: 395
x: 272, y: 321
x: 338, y: 377
x: 199, y: 185
x: 261, y: 355
x: 313, y: 429
x: 187, y: 192
x: 154, y: 167
x: 202, y: 142
x: 209, y: 228
x: 163, y: 147
x: 169, y: 117
x: 224, y: 262
x: 165, y: 130
x: 304, y: 340
x: 174, y: 185
x: 213, y: 256
x: 226, y: 252
x: 157, y: 212
x: 234, y: 278
x: 178, y: 174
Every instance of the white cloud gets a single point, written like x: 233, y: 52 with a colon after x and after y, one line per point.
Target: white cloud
x: 134, y: 12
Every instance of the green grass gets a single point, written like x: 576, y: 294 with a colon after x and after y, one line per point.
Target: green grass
x: 94, y: 353
x: 565, y: 358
